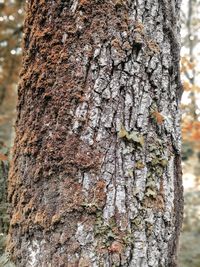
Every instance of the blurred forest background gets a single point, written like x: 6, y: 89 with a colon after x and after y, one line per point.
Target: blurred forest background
x: 11, y: 28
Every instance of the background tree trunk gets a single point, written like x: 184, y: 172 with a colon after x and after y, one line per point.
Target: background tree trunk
x: 96, y: 173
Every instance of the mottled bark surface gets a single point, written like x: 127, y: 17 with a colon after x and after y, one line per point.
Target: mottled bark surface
x: 96, y: 175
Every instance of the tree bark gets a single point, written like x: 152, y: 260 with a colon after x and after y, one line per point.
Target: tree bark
x: 96, y: 173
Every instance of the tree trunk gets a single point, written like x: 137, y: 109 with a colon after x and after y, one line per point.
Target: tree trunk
x: 96, y: 174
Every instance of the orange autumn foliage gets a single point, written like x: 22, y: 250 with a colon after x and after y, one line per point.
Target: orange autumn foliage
x: 187, y: 64
x: 191, y: 131
x: 3, y: 157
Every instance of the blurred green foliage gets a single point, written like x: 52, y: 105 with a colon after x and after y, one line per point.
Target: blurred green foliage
x: 187, y: 151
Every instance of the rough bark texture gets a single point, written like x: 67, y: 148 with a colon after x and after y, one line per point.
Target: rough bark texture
x: 96, y: 174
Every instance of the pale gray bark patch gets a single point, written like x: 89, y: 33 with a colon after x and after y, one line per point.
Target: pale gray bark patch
x: 125, y: 99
